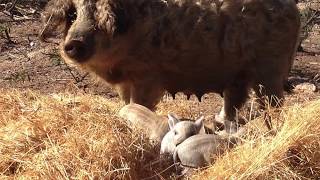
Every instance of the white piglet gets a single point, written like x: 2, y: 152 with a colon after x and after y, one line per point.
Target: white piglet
x: 154, y: 126
x: 180, y: 131
x: 197, y: 151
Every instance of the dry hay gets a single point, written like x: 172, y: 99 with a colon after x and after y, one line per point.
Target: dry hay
x: 65, y: 136
x: 293, y: 153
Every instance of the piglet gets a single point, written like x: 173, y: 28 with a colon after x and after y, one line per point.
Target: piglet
x: 180, y: 131
x: 197, y: 151
x: 154, y: 126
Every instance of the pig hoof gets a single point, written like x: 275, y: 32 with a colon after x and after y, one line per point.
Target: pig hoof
x: 230, y: 127
x: 219, y: 118
x: 219, y: 123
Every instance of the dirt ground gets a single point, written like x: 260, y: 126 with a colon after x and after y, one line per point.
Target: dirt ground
x: 27, y: 63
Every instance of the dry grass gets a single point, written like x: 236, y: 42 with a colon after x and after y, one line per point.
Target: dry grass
x: 293, y: 153
x: 66, y: 136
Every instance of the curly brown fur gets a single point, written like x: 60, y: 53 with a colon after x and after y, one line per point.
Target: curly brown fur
x: 144, y: 47
x: 56, y: 15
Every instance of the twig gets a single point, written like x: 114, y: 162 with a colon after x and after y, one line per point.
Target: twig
x: 42, y: 35
x: 310, y: 19
x: 22, y: 19
x: 6, y: 32
x: 83, y: 77
x: 7, y: 13
x: 13, y: 5
x: 16, y: 19
x: 72, y: 74
x: 26, y: 11
x: 76, y: 79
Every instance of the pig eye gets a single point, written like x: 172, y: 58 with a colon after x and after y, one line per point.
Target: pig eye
x: 71, y: 15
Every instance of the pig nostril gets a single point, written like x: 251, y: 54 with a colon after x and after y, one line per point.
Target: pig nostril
x: 75, y: 49
x: 69, y: 47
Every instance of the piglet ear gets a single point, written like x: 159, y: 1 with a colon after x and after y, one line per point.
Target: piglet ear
x: 199, y: 124
x: 172, y: 120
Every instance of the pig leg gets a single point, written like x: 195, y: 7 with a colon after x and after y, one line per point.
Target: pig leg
x: 124, y: 91
x: 146, y: 94
x: 234, y: 98
x: 270, y: 93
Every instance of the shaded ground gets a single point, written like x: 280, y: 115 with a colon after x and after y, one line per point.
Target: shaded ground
x: 26, y: 63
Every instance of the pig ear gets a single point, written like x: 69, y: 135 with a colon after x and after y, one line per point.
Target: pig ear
x: 172, y: 121
x: 199, y: 123
x: 54, y: 18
